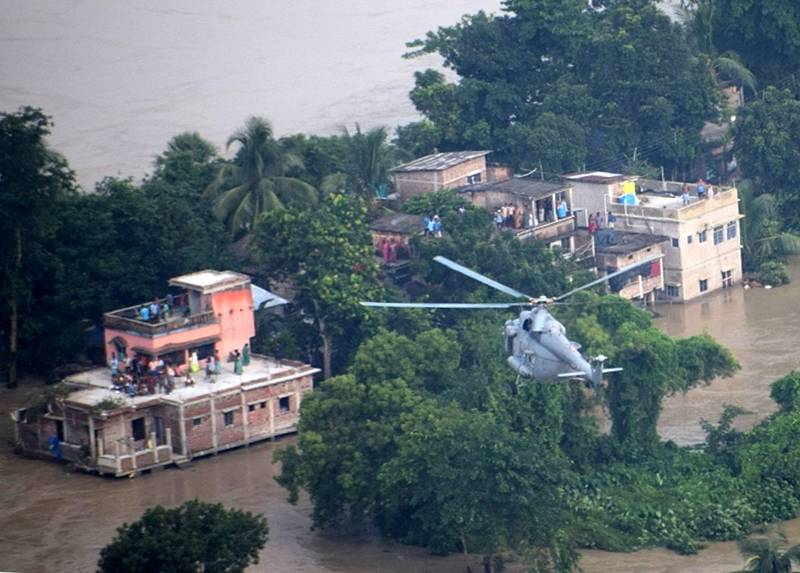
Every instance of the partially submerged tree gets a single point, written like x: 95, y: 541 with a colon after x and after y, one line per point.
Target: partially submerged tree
x: 769, y: 554
x: 194, y: 537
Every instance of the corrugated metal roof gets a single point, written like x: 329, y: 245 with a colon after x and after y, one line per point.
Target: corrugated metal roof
x: 440, y: 161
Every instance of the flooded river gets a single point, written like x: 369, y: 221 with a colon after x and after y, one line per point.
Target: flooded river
x: 58, y: 521
x: 121, y: 78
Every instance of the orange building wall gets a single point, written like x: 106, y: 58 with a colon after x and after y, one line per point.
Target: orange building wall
x: 234, y: 311
x: 155, y: 344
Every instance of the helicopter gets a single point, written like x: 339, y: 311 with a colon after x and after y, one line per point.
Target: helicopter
x: 536, y: 343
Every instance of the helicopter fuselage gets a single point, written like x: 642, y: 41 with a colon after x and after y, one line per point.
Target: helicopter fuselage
x: 537, y: 348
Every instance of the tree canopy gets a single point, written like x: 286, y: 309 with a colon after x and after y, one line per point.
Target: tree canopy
x: 193, y: 537
x: 563, y: 85
x: 258, y: 179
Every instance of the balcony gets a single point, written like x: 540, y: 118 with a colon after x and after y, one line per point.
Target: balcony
x: 548, y: 230
x: 128, y: 319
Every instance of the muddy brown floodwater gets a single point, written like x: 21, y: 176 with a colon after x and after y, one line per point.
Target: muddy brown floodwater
x: 54, y: 520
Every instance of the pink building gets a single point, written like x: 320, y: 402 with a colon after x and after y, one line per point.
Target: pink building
x: 105, y: 428
x: 215, y: 312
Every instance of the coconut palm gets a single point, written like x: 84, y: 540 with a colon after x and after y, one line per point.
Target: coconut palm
x: 257, y: 179
x: 698, y: 17
x: 763, y: 236
x: 368, y: 158
x: 769, y: 554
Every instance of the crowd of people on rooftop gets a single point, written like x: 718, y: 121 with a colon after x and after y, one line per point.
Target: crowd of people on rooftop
x: 143, y: 375
x: 704, y: 191
x: 513, y: 216
x: 163, y: 310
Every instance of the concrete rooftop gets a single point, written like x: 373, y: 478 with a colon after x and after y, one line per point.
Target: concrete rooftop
x: 97, y: 382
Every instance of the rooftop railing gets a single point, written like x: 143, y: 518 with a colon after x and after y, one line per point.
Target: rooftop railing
x: 129, y: 318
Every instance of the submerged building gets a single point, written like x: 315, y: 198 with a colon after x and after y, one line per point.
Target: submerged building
x: 181, y: 397
x: 702, y: 248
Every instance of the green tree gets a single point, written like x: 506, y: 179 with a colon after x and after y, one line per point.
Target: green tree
x: 328, y: 256
x: 699, y: 17
x: 465, y: 481
x: 348, y: 430
x: 766, y: 34
x: 786, y: 391
x: 33, y: 180
x: 256, y: 180
x: 764, y: 234
x: 193, y: 537
x: 768, y: 150
x: 769, y: 554
x: 616, y: 79
x: 200, y: 150
x: 367, y: 158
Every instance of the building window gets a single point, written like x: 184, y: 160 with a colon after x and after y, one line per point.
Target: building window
x: 174, y: 358
x: 262, y: 405
x: 204, y: 351
x: 732, y: 230
x: 251, y: 408
x: 675, y: 243
x: 673, y: 291
x: 474, y: 178
x: 565, y: 245
x: 283, y: 404
x: 228, y: 417
x: 196, y: 422
x: 60, y: 430
x: 703, y: 285
x: 719, y: 235
x: 137, y: 429
x: 701, y: 237
x: 727, y: 279
x: 689, y: 239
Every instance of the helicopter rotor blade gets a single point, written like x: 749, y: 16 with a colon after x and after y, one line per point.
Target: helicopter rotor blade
x: 458, y: 305
x: 480, y: 278
x: 609, y: 276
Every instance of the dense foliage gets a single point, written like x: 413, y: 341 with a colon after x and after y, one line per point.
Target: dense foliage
x: 559, y: 85
x: 193, y: 537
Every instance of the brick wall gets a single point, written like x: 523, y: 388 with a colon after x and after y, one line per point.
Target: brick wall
x: 413, y: 183
x: 456, y: 176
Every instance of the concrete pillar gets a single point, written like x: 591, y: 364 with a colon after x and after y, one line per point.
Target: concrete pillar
x: 245, y: 421
x: 116, y: 455
x: 182, y: 429
x: 271, y: 403
x: 132, y: 451
x: 92, y: 443
x: 553, y: 206
x: 214, y: 441
x: 169, y: 441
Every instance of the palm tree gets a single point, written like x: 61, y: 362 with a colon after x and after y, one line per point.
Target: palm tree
x: 368, y: 158
x: 257, y: 179
x: 698, y: 17
x: 763, y: 236
x: 769, y: 554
